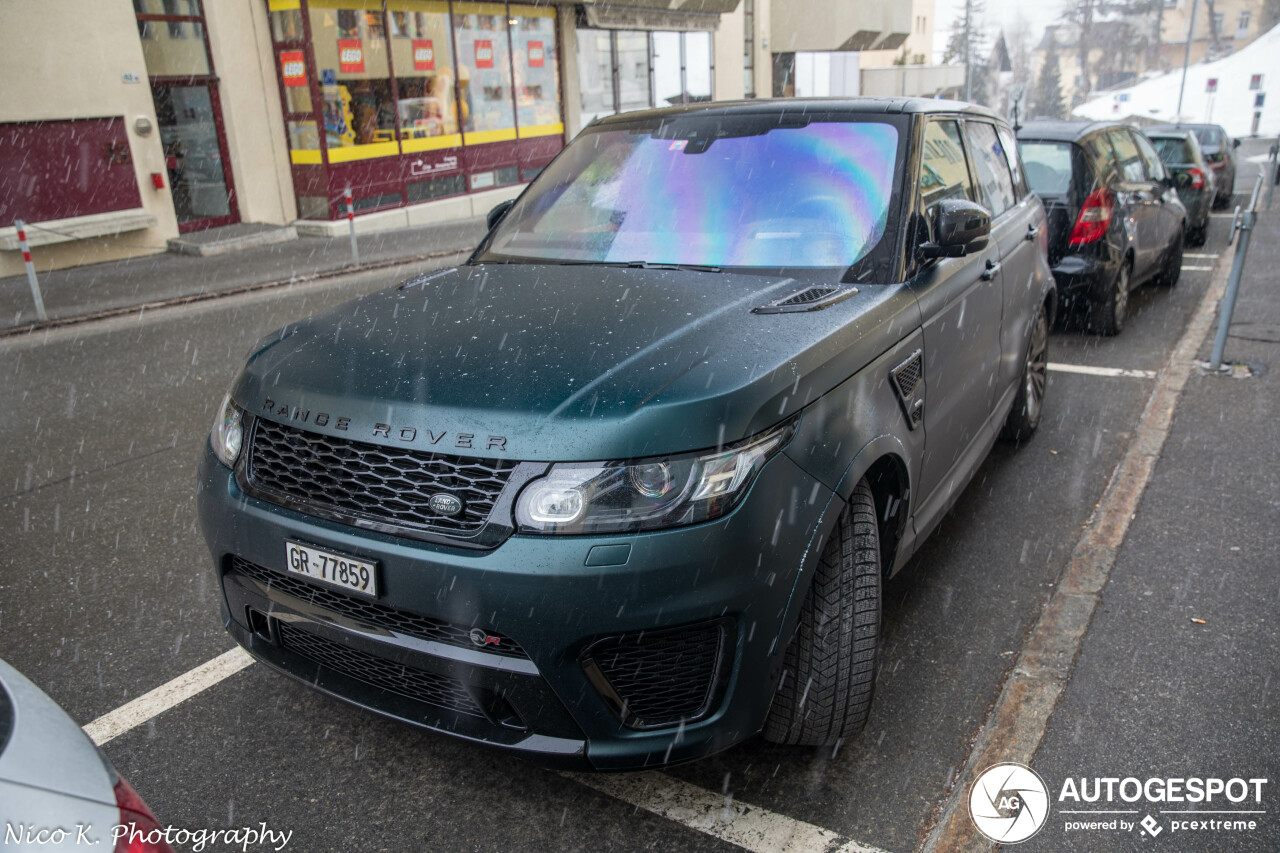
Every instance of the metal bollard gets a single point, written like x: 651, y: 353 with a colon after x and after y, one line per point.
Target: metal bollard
x: 1244, y: 226
x: 31, y: 269
x: 351, y: 223
x: 1273, y: 171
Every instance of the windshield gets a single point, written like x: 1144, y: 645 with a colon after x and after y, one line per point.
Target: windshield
x: 1047, y: 166
x: 713, y: 191
x: 1208, y: 137
x: 1173, y: 149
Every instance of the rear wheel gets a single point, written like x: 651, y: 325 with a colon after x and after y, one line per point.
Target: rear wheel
x: 1108, y: 315
x: 1196, y: 236
x: 1024, y: 417
x: 829, y: 671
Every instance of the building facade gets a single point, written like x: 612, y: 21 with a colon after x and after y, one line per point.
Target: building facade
x: 147, y: 119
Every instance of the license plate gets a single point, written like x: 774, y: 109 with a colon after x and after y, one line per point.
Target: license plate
x: 327, y: 567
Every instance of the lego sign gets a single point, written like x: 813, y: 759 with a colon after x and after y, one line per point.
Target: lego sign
x: 1211, y: 85
x: 293, y: 68
x: 484, y: 53
x: 350, y: 56
x: 424, y: 55
x: 536, y: 54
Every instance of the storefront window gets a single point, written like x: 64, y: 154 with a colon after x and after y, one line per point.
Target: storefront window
x: 697, y: 67
x: 595, y: 74
x: 422, y: 53
x: 286, y: 20
x: 173, y: 48
x: 667, y: 88
x: 304, y: 136
x: 633, y: 70
x: 537, y: 76
x: 355, y: 78
x: 484, y: 72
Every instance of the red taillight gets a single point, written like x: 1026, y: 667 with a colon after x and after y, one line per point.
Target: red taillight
x: 1197, y: 178
x: 138, y: 831
x: 1094, y: 218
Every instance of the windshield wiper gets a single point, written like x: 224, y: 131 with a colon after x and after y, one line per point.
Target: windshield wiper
x: 652, y: 265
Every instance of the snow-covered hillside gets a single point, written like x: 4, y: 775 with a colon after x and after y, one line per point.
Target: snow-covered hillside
x: 1232, y: 106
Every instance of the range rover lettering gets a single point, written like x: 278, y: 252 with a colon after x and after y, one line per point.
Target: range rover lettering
x: 622, y: 490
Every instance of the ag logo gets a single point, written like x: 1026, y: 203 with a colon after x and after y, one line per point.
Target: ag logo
x: 1009, y: 803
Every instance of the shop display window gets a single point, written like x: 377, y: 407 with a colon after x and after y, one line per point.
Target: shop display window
x: 422, y: 53
x: 355, y: 78
x: 535, y: 60
x: 484, y: 71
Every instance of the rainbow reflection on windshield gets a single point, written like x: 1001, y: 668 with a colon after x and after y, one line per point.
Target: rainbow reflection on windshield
x: 813, y: 196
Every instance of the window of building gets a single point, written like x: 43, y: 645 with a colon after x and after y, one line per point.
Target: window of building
x: 1218, y: 18
x: 536, y: 62
x: 749, y: 48
x: 1242, y: 23
x: 484, y: 71
x: 422, y: 55
x: 1255, y: 82
x: 595, y: 74
x: 172, y: 36
x: 632, y: 52
x: 621, y: 70
x: 355, y: 79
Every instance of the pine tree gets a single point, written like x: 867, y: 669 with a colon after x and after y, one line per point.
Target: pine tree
x: 967, y: 45
x: 1047, y: 98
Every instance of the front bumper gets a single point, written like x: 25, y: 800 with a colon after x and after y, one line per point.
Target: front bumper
x: 741, y: 577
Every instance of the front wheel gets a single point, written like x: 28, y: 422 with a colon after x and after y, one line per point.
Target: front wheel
x: 1172, y: 269
x: 829, y: 671
x: 1024, y: 417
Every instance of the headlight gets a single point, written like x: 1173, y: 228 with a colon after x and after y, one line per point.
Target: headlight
x: 228, y: 432
x: 623, y: 497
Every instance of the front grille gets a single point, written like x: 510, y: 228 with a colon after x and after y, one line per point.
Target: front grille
x: 659, y: 679
x: 374, y: 614
x: 353, y: 481
x: 438, y: 690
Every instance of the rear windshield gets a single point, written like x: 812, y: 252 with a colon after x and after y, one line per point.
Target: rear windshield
x: 1208, y: 136
x: 1047, y: 165
x: 757, y: 191
x: 1173, y: 149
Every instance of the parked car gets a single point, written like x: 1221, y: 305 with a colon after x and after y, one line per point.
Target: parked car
x: 622, y: 490
x: 1219, y: 151
x: 1180, y: 152
x: 57, y: 791
x: 1115, y: 221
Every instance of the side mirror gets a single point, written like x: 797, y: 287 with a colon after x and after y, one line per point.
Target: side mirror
x: 960, y: 227
x: 1235, y: 143
x: 495, y: 215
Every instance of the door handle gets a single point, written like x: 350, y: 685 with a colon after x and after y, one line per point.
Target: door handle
x: 989, y: 273
x: 1032, y: 232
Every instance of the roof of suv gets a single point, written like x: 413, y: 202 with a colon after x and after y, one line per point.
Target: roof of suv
x: 1064, y: 131
x: 1188, y: 126
x: 909, y: 106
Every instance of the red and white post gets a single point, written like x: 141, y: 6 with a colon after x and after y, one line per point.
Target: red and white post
x: 351, y: 224
x: 31, y: 269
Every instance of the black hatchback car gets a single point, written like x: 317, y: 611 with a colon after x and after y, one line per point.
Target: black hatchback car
x: 622, y: 490
x: 1180, y: 152
x: 1115, y: 220
x: 1219, y: 150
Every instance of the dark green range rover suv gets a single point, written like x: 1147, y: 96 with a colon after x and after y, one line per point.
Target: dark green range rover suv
x: 622, y: 490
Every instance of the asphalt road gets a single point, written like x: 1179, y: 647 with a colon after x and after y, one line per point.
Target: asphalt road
x: 106, y: 591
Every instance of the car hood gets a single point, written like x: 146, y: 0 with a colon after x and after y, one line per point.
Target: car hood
x: 569, y: 363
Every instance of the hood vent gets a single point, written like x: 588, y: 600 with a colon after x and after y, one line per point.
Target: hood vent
x: 813, y: 298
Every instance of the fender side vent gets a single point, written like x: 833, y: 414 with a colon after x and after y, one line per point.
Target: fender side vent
x: 813, y: 298
x: 908, y: 383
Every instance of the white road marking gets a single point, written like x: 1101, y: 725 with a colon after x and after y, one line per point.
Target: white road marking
x: 1203, y: 255
x: 720, y: 816
x: 1102, y: 371
x: 1186, y: 268
x: 149, y: 705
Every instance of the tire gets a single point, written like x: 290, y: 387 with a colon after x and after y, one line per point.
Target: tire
x: 1024, y: 417
x: 1107, y: 317
x: 829, y: 670
x: 1196, y: 236
x: 1171, y: 271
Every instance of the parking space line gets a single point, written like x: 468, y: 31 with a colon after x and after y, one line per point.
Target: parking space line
x: 1201, y: 255
x: 1186, y: 268
x: 719, y: 815
x: 1101, y: 371
x: 149, y: 705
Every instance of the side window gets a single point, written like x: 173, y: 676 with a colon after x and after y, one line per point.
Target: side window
x: 1010, y: 145
x: 1127, y: 154
x: 943, y: 170
x: 1100, y: 156
x: 1155, y: 169
x: 992, y: 166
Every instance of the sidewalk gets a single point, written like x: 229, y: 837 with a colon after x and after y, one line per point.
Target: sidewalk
x: 86, y: 290
x: 1154, y: 692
